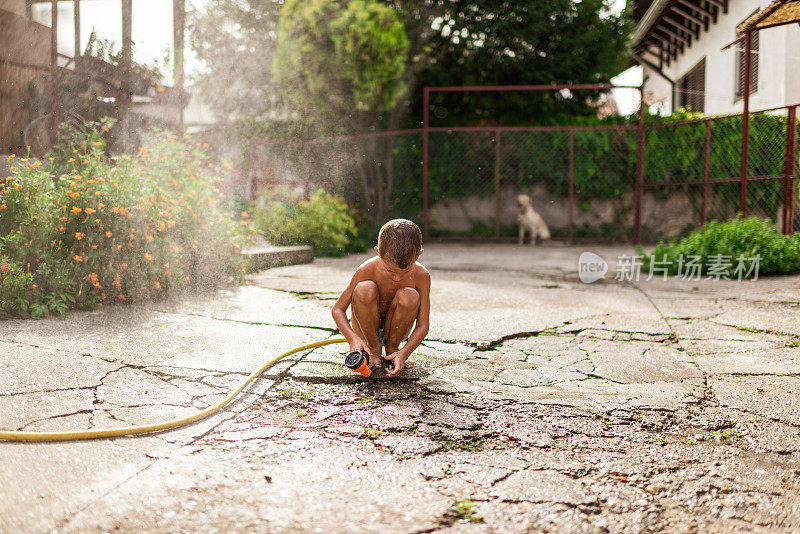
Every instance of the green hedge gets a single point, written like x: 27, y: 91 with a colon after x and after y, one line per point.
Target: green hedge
x: 725, y: 242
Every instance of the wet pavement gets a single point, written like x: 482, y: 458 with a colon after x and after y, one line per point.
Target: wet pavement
x: 539, y: 404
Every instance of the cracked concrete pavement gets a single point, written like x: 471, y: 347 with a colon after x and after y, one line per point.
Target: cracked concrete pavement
x: 539, y: 404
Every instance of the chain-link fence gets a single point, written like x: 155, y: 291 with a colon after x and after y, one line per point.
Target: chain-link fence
x: 581, y: 179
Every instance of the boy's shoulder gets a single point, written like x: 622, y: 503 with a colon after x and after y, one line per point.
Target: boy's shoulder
x: 366, y: 269
x: 421, y: 269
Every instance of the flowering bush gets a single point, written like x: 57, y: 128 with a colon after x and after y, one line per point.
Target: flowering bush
x: 81, y: 230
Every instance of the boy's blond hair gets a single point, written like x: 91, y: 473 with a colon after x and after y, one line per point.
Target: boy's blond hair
x: 400, y: 242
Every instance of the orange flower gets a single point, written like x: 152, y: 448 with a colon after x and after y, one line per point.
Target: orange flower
x: 122, y: 296
x: 62, y: 218
x: 77, y: 258
x: 109, y: 234
x: 70, y: 160
x: 89, y: 211
x: 79, y: 235
x: 149, y: 257
x: 4, y: 267
x: 76, y: 209
x: 2, y: 206
x: 62, y: 228
x: 123, y: 266
x: 149, y: 238
x: 161, y: 226
x: 34, y: 286
x: 157, y: 285
x: 170, y: 223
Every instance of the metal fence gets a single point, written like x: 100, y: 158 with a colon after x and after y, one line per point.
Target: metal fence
x: 623, y: 183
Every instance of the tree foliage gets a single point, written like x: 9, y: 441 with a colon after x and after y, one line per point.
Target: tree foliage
x: 521, y: 42
x: 340, y: 63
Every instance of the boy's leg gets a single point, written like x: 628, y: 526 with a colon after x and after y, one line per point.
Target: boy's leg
x: 400, y: 318
x: 364, y: 321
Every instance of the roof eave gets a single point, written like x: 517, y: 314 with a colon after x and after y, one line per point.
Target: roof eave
x: 648, y: 20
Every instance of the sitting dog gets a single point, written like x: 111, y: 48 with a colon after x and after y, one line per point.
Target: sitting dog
x: 531, y: 221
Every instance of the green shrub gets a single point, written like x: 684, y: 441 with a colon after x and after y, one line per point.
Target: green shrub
x: 323, y: 222
x: 745, y: 238
x: 82, y: 230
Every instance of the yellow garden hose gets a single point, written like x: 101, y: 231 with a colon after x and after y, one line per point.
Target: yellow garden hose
x: 157, y: 427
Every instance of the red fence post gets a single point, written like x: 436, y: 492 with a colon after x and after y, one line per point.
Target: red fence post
x: 745, y: 124
x: 706, y: 158
x: 425, y: 102
x: 788, y: 171
x: 637, y: 223
x: 571, y: 177
x: 497, y: 184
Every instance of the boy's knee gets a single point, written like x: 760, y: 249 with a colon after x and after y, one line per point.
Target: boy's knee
x: 407, y: 297
x: 366, y: 291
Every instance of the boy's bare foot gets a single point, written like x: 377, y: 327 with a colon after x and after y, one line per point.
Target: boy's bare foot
x: 375, y: 358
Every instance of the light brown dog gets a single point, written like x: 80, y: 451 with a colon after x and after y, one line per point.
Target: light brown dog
x: 530, y: 221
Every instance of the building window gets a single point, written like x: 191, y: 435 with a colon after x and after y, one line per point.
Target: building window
x: 691, y: 88
x: 753, y: 65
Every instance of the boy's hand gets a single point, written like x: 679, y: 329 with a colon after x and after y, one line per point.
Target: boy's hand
x: 360, y: 344
x: 399, y: 362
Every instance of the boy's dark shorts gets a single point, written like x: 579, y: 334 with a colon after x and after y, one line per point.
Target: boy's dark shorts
x: 381, y: 332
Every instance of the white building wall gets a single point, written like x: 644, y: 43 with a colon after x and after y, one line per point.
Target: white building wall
x: 792, y: 63
x: 779, y: 64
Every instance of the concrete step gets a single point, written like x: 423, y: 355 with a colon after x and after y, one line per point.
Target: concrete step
x: 266, y: 257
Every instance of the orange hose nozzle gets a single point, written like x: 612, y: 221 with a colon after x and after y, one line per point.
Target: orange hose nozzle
x: 357, y: 361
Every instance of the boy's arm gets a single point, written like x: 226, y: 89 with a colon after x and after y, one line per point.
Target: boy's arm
x: 420, y: 328
x: 339, y: 313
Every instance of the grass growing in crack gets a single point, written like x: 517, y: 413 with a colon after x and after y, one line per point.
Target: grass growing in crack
x: 372, y: 433
x: 713, y: 435
x: 794, y: 338
x: 462, y: 444
x: 602, y: 417
x: 465, y: 509
x: 420, y: 395
x: 363, y: 400
x: 288, y: 393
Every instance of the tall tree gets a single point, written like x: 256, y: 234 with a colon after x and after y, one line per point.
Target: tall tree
x: 341, y: 64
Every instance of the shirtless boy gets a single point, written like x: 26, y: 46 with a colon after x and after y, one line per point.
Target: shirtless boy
x: 387, y: 295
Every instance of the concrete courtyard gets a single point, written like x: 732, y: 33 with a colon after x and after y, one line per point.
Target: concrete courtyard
x: 539, y: 403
